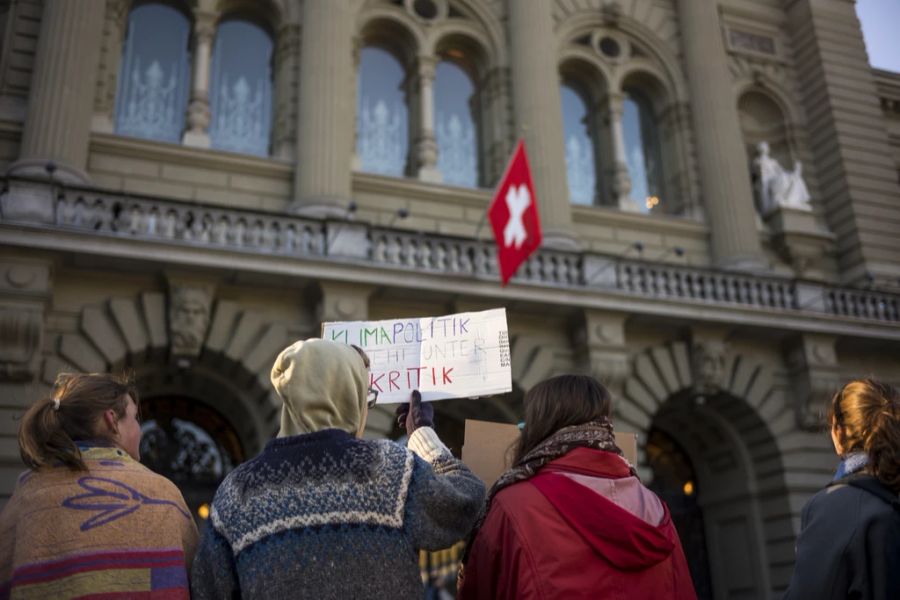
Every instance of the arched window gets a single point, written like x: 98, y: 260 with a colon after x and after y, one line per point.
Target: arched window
x: 581, y: 167
x: 455, y: 127
x: 382, y: 142
x: 241, y: 90
x: 642, y: 151
x: 151, y: 100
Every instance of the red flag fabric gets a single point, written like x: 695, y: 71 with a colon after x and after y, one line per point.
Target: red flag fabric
x: 514, y: 215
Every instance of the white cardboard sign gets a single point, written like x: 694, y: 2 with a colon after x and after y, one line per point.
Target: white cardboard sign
x: 455, y: 356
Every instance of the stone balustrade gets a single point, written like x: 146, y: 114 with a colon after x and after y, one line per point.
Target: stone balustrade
x: 174, y: 222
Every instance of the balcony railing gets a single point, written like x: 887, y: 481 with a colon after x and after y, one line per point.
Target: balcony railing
x: 174, y: 222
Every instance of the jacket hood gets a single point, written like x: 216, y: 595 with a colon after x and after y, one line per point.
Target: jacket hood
x: 322, y: 385
x: 628, y: 542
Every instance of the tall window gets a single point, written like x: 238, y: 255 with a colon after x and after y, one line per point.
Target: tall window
x: 382, y: 142
x: 642, y: 152
x: 151, y: 100
x: 455, y: 128
x: 241, y: 91
x: 581, y: 168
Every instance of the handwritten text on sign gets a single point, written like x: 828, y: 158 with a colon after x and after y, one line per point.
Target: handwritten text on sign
x: 455, y: 356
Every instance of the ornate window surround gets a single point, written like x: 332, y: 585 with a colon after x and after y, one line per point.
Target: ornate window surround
x: 604, y: 80
x: 455, y: 33
x: 205, y: 15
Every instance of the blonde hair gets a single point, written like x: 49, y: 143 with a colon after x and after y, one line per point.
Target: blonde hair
x: 866, y: 414
x: 49, y: 429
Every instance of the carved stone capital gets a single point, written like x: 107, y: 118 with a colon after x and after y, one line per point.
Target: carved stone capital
x: 599, y: 336
x: 343, y: 302
x: 815, y: 375
x: 21, y: 333
x: 204, y: 27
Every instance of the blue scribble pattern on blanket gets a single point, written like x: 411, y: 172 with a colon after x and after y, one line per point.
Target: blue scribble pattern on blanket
x: 111, y: 500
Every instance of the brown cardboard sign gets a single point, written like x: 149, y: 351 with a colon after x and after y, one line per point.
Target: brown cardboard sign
x: 488, y: 448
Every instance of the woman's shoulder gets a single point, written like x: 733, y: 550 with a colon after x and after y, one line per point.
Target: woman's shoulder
x: 856, y: 498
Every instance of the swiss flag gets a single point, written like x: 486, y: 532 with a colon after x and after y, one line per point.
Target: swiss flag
x: 514, y: 215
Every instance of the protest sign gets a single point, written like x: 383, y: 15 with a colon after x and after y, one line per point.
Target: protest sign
x: 488, y: 448
x: 455, y: 356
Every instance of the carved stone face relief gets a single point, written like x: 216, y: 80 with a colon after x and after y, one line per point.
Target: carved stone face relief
x: 709, y: 367
x: 189, y: 310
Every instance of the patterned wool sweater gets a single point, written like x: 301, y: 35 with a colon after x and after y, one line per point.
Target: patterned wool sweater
x: 326, y: 515
x: 118, y: 530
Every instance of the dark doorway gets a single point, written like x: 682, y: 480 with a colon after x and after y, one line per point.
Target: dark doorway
x: 191, y: 444
x: 675, y: 482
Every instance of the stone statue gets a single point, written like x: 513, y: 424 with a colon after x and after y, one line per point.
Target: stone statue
x: 189, y: 309
x: 778, y: 187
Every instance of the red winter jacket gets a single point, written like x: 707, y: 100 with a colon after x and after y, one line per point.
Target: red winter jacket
x: 583, y: 527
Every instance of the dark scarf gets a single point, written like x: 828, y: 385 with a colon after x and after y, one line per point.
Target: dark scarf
x: 594, y: 434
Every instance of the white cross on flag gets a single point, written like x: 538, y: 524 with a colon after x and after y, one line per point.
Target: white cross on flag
x: 514, y: 215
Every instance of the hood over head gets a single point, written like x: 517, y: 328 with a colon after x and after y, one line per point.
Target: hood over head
x: 322, y: 384
x: 628, y: 542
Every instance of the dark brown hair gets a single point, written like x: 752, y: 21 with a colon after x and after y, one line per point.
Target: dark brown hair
x: 72, y: 412
x: 560, y: 402
x: 866, y: 414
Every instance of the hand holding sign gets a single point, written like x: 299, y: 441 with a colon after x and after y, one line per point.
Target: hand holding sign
x: 454, y: 356
x: 413, y: 415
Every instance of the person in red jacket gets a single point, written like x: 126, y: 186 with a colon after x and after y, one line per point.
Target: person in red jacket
x: 571, y: 519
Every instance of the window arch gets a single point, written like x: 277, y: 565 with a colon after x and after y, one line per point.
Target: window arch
x: 580, y: 147
x: 642, y: 150
x: 456, y: 128
x: 153, y: 85
x: 241, y: 88
x: 382, y: 137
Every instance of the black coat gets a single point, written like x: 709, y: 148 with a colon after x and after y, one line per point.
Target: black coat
x: 849, y: 544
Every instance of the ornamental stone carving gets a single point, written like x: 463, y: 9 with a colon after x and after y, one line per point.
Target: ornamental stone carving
x: 21, y: 330
x: 708, y: 363
x: 189, y: 312
x: 815, y: 375
x: 777, y: 186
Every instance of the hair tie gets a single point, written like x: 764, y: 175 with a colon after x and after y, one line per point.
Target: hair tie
x: 56, y: 404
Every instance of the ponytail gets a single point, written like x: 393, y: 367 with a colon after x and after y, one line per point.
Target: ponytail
x: 73, y: 412
x: 883, y: 446
x: 867, y: 416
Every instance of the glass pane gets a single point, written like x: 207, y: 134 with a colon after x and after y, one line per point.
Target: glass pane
x: 241, y: 92
x: 581, y: 169
x: 641, y: 152
x: 151, y: 101
x: 381, y: 138
x: 454, y: 126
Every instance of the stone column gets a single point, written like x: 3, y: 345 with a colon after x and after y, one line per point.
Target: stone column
x: 723, y: 170
x: 620, y: 179
x: 61, y: 101
x: 538, y: 111
x: 327, y: 106
x: 197, y: 133
x: 425, y: 142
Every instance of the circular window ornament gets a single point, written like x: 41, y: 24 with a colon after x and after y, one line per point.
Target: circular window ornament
x: 428, y: 11
x: 611, y: 46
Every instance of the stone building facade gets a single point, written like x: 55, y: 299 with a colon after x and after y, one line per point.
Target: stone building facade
x: 721, y: 325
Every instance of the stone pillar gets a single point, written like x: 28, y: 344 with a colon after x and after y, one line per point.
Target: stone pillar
x: 620, y: 179
x: 114, y: 26
x: 723, y: 170
x: 287, y: 54
x: 197, y: 133
x: 327, y: 103
x: 538, y: 111
x: 60, y: 105
x: 425, y: 142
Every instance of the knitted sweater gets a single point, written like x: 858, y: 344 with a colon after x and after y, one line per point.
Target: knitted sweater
x: 116, y: 531
x: 326, y: 515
